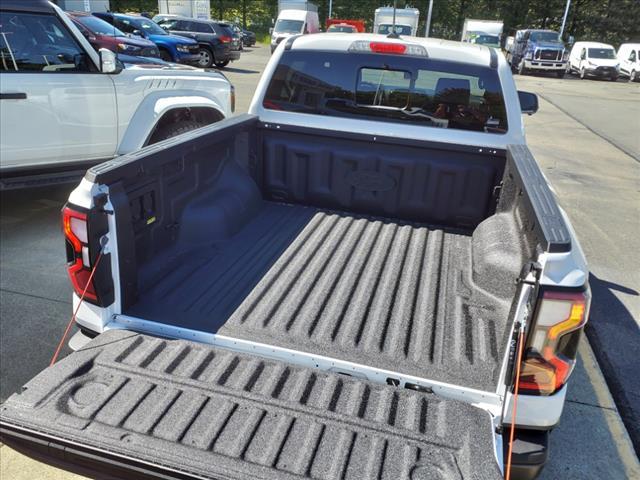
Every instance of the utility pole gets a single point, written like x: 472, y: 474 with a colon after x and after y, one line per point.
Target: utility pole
x: 564, y: 18
x: 428, y: 25
x: 330, y: 7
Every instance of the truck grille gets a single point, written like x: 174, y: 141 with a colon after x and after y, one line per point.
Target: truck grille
x: 546, y: 54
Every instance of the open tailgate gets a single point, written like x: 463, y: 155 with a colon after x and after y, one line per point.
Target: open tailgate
x: 135, y: 406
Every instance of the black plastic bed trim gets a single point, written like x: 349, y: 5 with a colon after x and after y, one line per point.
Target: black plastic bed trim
x: 367, y: 137
x: 552, y: 226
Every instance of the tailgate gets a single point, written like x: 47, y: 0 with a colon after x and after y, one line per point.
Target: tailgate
x: 131, y: 405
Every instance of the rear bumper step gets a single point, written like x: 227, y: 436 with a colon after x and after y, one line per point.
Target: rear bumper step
x: 146, y: 407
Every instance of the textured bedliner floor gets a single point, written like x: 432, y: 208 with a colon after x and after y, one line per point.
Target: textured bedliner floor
x: 204, y: 412
x: 370, y: 291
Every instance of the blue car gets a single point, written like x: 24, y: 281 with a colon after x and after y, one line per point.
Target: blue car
x: 173, y: 48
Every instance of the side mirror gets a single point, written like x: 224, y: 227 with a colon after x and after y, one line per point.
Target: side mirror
x: 528, y: 102
x: 271, y: 31
x: 572, y: 40
x: 138, y: 33
x: 108, y: 61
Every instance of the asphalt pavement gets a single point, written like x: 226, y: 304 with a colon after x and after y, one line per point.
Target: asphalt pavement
x: 585, y: 158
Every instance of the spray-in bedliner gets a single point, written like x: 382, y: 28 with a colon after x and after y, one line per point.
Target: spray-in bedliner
x: 368, y: 290
x: 190, y: 410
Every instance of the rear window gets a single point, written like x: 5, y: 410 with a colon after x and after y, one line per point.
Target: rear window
x: 393, y: 88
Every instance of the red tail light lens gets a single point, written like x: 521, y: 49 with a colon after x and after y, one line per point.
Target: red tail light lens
x: 225, y: 39
x: 553, y: 342
x: 74, y: 226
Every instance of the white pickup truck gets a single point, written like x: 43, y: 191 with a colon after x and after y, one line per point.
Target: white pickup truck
x: 65, y: 107
x: 335, y: 285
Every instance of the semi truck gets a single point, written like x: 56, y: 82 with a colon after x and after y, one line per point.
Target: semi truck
x: 342, y: 283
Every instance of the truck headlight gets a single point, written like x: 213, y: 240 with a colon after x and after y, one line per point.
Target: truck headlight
x: 183, y: 48
x: 528, y: 55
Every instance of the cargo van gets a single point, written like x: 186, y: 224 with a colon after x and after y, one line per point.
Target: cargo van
x: 629, y: 58
x: 593, y: 59
x: 293, y: 22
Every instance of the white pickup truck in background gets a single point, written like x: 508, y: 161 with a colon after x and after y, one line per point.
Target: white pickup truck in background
x: 335, y: 285
x: 65, y: 107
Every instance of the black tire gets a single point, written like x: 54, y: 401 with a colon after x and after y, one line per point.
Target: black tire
x: 583, y: 74
x: 614, y: 78
x: 165, y: 55
x: 173, y: 129
x: 222, y: 64
x: 206, y: 57
x: 633, y: 76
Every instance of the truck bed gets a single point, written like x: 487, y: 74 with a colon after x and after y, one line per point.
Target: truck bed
x: 397, y: 296
x: 129, y: 405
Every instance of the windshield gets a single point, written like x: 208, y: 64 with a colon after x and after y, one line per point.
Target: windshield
x: 487, y: 40
x: 145, y: 25
x: 602, y: 53
x: 400, y: 29
x: 341, y: 28
x: 288, y: 26
x: 431, y: 93
x: 99, y: 27
x: 544, y: 37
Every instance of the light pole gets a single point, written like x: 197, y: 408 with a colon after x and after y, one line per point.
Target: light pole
x: 564, y: 18
x: 330, y: 5
x: 428, y: 25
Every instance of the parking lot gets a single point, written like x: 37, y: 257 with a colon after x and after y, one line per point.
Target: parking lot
x: 585, y: 137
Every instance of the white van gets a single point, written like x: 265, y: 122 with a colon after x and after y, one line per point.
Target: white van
x: 293, y: 22
x: 593, y: 59
x: 629, y: 58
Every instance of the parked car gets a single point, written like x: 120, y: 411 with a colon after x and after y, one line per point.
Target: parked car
x: 593, y: 59
x: 161, y: 17
x: 537, y: 51
x: 216, y: 44
x: 342, y: 28
x: 333, y: 285
x: 65, y: 107
x: 247, y: 38
x: 173, y: 48
x: 101, y: 34
x: 629, y: 59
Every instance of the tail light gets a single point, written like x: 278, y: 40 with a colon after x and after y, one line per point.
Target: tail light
x: 553, y: 342
x: 225, y: 39
x: 76, y: 235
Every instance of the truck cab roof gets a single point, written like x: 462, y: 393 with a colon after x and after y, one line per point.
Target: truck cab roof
x: 436, y: 48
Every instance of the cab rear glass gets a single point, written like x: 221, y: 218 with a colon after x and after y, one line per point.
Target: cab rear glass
x: 396, y: 88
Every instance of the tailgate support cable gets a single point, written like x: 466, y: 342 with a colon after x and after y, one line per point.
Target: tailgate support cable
x: 103, y: 243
